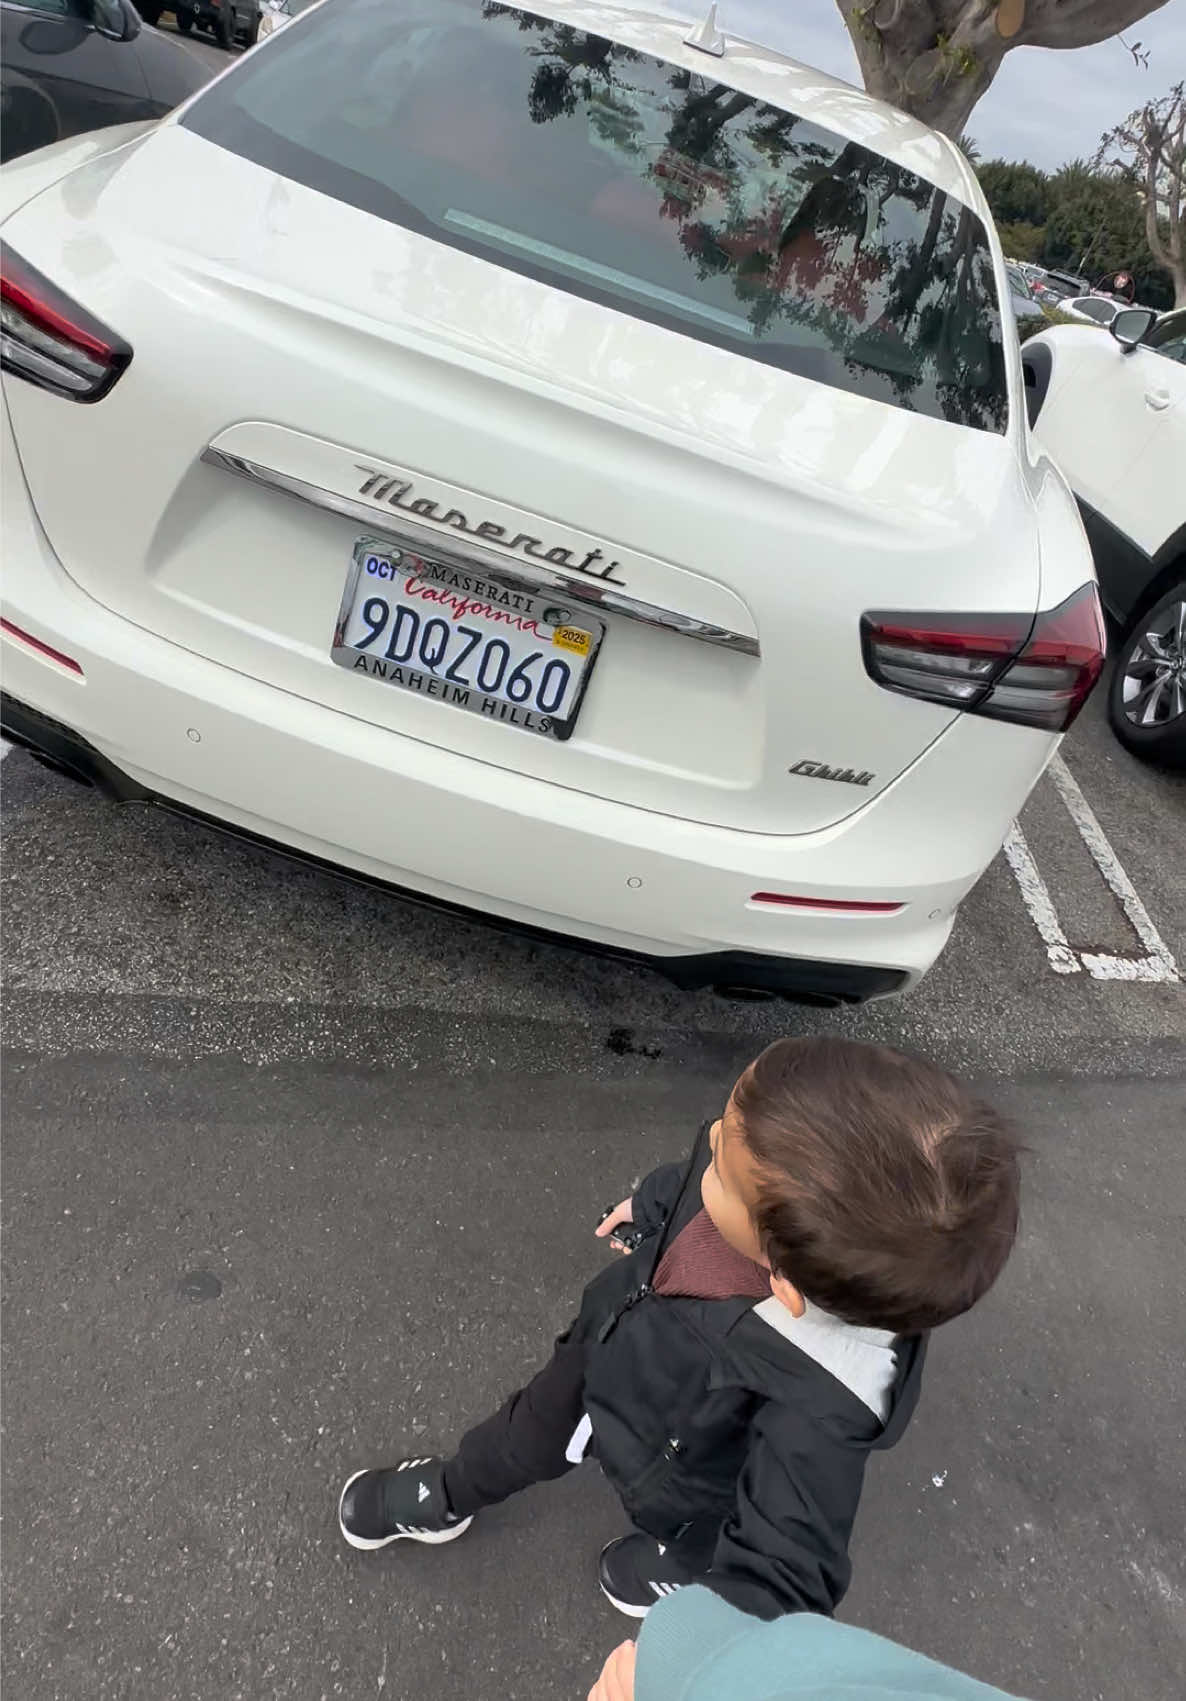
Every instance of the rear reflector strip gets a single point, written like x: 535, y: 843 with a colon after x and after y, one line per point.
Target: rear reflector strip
x: 849, y: 906
x: 47, y: 650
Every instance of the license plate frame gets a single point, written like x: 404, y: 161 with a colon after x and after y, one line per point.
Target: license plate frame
x: 515, y: 595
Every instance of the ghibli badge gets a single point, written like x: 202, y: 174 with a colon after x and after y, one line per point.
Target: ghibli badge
x: 821, y: 771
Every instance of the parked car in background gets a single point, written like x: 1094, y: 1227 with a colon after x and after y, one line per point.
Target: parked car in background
x: 521, y: 531
x: 1112, y: 412
x: 1053, y: 288
x: 1027, y: 309
x: 1094, y: 309
x: 72, y: 65
x: 228, y: 21
x: 276, y: 13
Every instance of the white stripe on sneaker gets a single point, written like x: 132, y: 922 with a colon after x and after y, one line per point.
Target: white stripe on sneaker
x: 402, y: 1532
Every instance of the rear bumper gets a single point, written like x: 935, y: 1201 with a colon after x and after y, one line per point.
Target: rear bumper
x: 152, y: 721
x: 808, y: 982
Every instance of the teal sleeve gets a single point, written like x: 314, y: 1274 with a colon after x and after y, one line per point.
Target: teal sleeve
x: 679, y: 1642
x: 694, y: 1646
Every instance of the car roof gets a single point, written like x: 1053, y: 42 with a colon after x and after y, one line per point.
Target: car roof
x: 780, y: 81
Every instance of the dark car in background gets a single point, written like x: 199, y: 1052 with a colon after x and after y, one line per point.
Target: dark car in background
x: 75, y: 65
x: 1053, y: 287
x: 1027, y: 309
x: 228, y: 21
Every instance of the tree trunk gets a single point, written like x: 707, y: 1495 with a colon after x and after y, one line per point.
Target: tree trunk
x: 935, y: 58
x: 1168, y: 255
x: 905, y: 64
x: 1164, y: 146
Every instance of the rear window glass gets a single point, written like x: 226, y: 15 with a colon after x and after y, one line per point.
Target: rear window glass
x: 622, y: 178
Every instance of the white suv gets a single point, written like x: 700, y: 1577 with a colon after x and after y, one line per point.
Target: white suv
x: 1112, y: 412
x: 578, y: 477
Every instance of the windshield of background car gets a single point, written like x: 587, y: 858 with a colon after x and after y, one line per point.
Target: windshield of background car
x: 1019, y: 283
x: 629, y: 181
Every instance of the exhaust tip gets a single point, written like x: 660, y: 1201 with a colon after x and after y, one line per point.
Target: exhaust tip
x: 768, y: 995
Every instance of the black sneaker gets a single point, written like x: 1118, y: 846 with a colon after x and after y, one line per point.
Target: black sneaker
x: 406, y: 1502
x: 636, y: 1571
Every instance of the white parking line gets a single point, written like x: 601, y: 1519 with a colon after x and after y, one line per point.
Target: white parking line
x: 1157, y: 964
x: 1039, y: 903
x: 5, y: 747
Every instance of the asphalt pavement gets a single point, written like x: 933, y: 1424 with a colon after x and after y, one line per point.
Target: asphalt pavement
x: 298, y: 1177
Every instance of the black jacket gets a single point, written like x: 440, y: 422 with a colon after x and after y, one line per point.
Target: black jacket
x: 702, y: 1411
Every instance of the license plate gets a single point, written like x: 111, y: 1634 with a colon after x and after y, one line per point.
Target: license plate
x: 485, y: 641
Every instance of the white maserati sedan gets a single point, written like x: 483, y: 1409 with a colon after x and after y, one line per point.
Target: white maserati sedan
x: 568, y: 466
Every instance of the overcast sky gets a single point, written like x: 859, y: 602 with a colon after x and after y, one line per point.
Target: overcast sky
x: 1043, y: 106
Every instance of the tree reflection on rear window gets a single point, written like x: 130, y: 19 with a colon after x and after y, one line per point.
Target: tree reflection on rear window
x: 624, y: 179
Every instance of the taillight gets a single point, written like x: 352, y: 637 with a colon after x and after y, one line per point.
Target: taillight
x: 1036, y: 671
x: 52, y: 341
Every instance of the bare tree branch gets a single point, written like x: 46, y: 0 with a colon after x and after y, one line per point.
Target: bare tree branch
x: 1150, y: 147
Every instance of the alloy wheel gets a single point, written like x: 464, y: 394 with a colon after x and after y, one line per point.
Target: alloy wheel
x: 1154, y: 685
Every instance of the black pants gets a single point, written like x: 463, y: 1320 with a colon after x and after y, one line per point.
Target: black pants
x: 524, y: 1443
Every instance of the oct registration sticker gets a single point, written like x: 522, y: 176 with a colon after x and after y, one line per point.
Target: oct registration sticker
x: 491, y: 644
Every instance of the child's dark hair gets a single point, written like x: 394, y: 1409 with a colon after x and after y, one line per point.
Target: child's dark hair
x: 887, y: 1193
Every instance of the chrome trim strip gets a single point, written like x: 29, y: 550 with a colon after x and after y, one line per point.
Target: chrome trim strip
x: 423, y: 538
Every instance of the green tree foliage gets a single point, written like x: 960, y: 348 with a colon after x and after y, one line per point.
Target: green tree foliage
x: 1097, y: 226
x: 1017, y: 192
x: 1022, y: 241
x: 1081, y: 219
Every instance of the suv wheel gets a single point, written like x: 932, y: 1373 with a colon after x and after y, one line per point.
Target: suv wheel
x: 1147, y: 694
x: 185, y: 20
